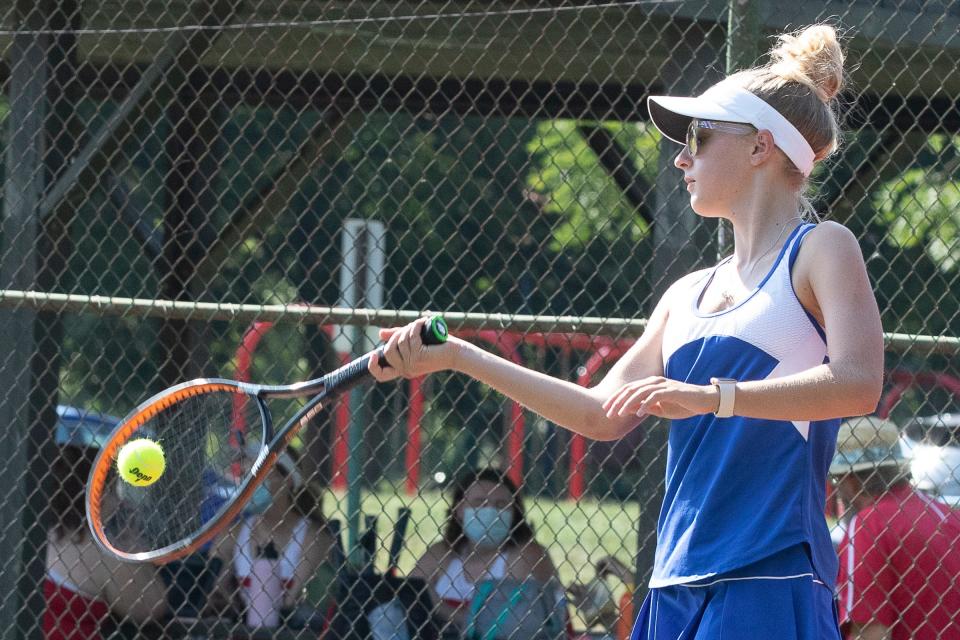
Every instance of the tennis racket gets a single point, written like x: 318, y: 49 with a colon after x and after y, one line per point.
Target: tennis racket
x: 219, y: 444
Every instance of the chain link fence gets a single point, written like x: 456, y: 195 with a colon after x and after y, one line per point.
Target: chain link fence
x: 242, y: 188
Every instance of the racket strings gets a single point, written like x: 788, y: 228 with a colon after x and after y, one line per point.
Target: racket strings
x: 210, y: 441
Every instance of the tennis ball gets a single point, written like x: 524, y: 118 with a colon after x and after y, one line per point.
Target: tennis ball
x: 141, y: 462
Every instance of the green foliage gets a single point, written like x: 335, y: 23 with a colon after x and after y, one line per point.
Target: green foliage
x: 586, y: 201
x: 493, y: 215
x: 913, y: 261
x: 921, y: 207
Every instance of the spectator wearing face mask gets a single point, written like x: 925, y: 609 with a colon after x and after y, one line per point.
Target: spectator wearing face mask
x: 486, y: 537
x: 278, y: 545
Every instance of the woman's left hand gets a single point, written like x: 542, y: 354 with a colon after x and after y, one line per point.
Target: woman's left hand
x: 662, y: 397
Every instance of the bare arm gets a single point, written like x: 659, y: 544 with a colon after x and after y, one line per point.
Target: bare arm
x: 579, y: 409
x: 832, y: 279
x: 832, y: 283
x: 135, y: 591
x: 224, y: 587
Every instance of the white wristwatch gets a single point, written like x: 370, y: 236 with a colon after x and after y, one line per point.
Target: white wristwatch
x: 727, y: 387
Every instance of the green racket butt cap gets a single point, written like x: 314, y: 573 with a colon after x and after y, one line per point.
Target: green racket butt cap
x: 435, y: 331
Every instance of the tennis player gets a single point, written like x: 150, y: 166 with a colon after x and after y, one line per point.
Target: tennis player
x: 754, y: 360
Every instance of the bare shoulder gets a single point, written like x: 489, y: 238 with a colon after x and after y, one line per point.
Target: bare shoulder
x: 533, y: 552
x: 430, y: 563
x: 828, y: 250
x: 830, y: 272
x: 829, y: 237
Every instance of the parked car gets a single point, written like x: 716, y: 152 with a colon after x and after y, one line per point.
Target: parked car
x: 933, y: 445
x: 83, y: 428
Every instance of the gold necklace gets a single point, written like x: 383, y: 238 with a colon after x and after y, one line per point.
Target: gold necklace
x: 727, y: 297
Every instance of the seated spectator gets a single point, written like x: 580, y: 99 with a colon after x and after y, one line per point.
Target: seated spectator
x: 899, y: 561
x: 278, y: 545
x: 486, y: 541
x: 83, y: 586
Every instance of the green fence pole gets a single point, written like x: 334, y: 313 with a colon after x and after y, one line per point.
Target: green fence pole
x: 355, y: 458
x: 743, y: 49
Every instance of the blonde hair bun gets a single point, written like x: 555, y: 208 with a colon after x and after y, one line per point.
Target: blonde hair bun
x: 812, y: 57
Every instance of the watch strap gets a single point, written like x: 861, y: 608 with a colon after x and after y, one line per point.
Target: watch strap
x: 727, y: 388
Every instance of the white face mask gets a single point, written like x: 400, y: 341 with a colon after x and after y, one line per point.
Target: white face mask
x: 260, y: 501
x: 487, y: 526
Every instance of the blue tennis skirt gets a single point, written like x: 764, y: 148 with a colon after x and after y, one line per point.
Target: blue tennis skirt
x: 759, y: 602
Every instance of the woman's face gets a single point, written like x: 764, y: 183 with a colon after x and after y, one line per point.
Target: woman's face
x: 485, y: 494
x: 717, y: 175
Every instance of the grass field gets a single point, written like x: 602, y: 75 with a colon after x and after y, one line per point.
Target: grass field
x: 575, y: 534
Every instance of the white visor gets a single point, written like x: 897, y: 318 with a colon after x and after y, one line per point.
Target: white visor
x: 730, y: 103
x: 284, y: 461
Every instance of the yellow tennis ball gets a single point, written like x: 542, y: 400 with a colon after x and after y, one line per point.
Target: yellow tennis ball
x: 141, y: 462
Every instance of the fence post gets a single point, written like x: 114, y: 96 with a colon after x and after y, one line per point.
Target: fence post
x: 743, y: 49
x: 681, y: 241
x: 363, y: 251
x: 43, y: 129
x: 23, y: 189
x: 743, y: 34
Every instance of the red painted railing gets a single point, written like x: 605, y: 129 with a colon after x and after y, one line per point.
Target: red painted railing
x: 603, y: 351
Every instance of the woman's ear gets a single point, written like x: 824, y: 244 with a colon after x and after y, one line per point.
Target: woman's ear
x: 763, y: 148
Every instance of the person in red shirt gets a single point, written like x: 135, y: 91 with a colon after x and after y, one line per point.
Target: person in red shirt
x: 900, y: 556
x: 82, y: 586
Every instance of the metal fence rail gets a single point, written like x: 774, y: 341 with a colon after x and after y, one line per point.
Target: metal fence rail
x: 229, y: 188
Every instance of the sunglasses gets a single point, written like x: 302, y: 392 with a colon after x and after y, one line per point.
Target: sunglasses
x: 694, y: 139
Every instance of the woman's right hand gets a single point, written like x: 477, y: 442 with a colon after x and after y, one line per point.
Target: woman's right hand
x: 408, y: 356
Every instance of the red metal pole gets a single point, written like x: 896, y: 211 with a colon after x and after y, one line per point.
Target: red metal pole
x: 414, y: 418
x: 244, y: 355
x: 578, y: 444
x: 341, y: 444
x: 515, y: 444
x: 903, y: 380
x: 245, y: 351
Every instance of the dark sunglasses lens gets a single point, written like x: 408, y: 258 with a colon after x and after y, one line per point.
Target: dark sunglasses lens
x: 692, y: 141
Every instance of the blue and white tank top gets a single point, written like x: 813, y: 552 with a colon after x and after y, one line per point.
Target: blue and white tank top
x: 740, y: 489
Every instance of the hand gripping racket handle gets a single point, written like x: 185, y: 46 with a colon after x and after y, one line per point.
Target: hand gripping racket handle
x: 434, y: 331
